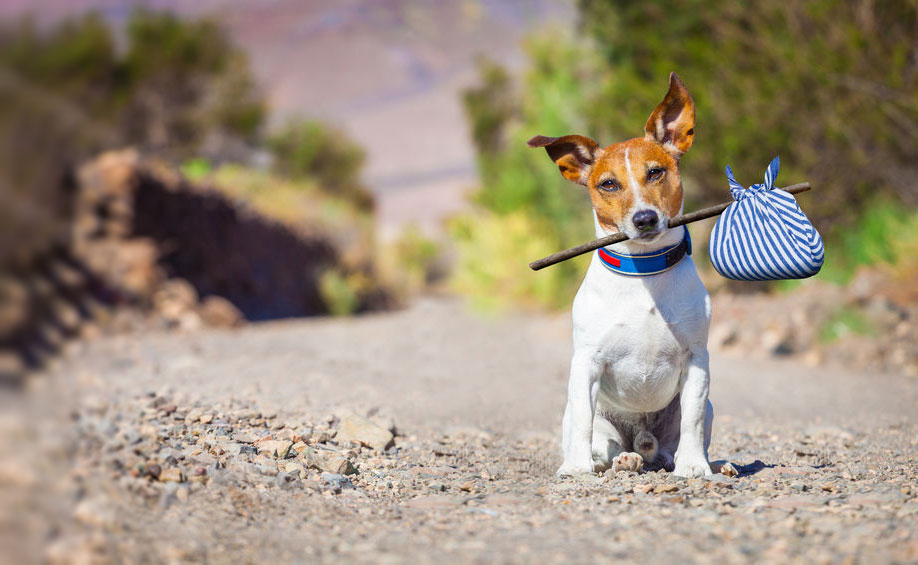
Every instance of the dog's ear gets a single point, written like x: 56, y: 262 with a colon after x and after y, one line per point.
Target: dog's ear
x: 574, y: 154
x: 672, y: 123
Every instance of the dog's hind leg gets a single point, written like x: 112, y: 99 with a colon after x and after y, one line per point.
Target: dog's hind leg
x: 607, y: 443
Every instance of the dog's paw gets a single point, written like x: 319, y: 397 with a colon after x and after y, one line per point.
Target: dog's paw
x: 571, y: 470
x: 691, y: 467
x: 628, y: 462
x: 724, y: 468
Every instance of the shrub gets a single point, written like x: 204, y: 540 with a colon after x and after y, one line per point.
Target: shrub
x: 310, y: 149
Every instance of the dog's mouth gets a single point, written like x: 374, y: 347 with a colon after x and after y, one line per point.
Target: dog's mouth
x: 649, y: 236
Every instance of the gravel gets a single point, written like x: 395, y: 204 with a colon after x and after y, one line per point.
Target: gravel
x: 142, y: 456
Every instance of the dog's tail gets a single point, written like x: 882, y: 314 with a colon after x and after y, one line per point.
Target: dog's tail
x: 646, y: 445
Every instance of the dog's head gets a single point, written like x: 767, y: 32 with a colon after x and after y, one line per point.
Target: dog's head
x: 634, y: 185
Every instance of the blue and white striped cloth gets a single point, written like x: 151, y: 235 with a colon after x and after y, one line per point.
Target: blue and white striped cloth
x: 764, y: 235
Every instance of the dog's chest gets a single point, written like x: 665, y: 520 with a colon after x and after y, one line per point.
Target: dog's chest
x: 640, y: 334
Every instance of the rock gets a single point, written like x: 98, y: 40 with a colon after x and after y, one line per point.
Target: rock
x: 664, y: 488
x: 206, y: 418
x: 245, y: 437
x: 276, y: 448
x: 218, y: 312
x: 285, y: 479
x: 173, y: 475
x: 328, y: 463
x: 360, y: 430
x: 169, y: 456
x: 154, y: 470
x: 174, y: 298
x: 295, y: 468
x: 336, y: 481
x: 718, y: 481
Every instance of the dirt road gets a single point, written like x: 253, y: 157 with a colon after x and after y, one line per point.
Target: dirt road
x: 155, y: 448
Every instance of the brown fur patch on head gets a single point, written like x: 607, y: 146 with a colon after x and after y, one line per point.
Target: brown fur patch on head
x: 669, y: 133
x: 633, y: 181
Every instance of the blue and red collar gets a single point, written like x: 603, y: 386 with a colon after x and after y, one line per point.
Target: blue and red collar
x: 644, y: 264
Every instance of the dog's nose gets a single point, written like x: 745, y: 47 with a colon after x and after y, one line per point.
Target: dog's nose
x: 645, y: 220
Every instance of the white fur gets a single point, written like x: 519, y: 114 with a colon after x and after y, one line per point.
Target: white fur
x: 639, y: 342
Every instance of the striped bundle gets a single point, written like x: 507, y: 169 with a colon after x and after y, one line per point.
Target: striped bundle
x: 764, y: 235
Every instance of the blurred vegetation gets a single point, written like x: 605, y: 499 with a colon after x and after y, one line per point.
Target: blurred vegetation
x: 412, y: 262
x: 830, y: 86
x: 310, y: 149
x: 526, y: 210
x: 177, y: 89
x: 885, y: 237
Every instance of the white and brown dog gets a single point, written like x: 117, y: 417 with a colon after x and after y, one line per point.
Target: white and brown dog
x: 638, y: 390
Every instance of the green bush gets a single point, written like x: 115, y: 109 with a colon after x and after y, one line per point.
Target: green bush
x: 885, y: 236
x: 68, y: 92
x: 311, y: 149
x: 845, y: 322
x: 525, y: 209
x: 830, y: 86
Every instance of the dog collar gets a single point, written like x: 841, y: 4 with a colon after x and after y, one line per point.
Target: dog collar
x: 644, y: 264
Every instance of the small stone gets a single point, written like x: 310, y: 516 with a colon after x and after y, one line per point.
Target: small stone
x: 643, y: 489
x: 182, y: 494
x: 664, y: 488
x: 218, y: 312
x: 276, y: 448
x: 245, y: 437
x: 360, y: 430
x: 295, y: 468
x: 173, y: 475
x: 206, y: 418
x: 336, y: 481
x: 285, y: 479
x: 328, y: 463
x: 154, y: 470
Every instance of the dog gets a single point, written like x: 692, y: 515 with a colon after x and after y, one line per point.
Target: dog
x: 639, y: 377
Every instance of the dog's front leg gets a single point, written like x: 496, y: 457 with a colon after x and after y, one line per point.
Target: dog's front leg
x: 577, y: 426
x: 691, y: 455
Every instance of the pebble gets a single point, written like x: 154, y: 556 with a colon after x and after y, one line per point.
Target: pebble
x: 173, y: 475
x: 276, y: 448
x: 360, y: 430
x: 801, y: 501
x: 336, y: 481
x: 664, y: 488
x: 245, y: 437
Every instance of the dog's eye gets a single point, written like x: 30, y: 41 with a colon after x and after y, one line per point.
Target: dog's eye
x: 655, y: 173
x: 609, y: 185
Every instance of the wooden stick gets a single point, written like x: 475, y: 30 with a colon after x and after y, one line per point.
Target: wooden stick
x: 617, y: 237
